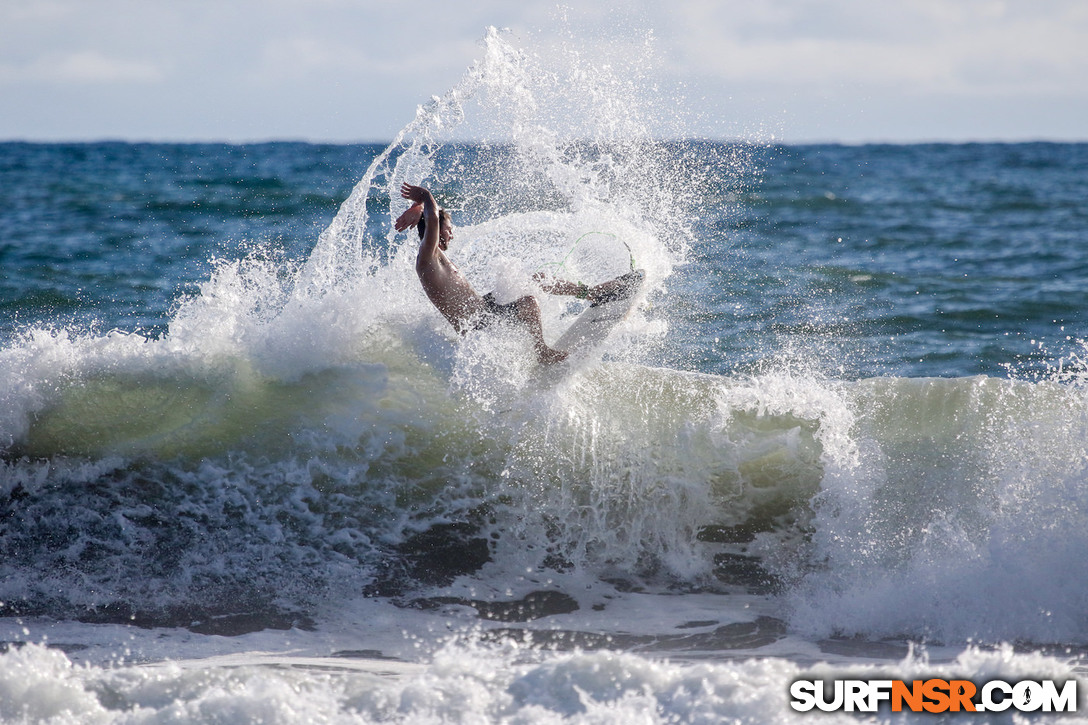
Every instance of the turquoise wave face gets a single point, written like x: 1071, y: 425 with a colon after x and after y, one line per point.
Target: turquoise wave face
x: 221, y: 488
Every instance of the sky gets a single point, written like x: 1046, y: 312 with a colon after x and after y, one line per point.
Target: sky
x: 851, y: 71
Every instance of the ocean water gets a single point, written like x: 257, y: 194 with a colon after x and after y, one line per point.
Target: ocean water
x: 248, y: 474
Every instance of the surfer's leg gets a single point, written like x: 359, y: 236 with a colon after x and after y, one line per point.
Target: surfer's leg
x: 528, y: 314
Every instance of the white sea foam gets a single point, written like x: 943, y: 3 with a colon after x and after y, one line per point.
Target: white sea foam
x: 963, y: 516
x: 463, y: 682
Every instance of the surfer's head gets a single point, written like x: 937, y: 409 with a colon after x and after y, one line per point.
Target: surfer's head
x: 445, y: 228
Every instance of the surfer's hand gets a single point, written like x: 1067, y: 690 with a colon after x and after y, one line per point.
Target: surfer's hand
x: 417, y: 194
x: 409, y: 218
x: 553, y: 286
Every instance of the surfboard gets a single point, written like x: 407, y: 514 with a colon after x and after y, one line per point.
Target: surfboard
x: 592, y: 326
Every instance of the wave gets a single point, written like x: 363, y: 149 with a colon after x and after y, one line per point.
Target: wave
x: 490, y: 684
x: 960, y: 515
x: 306, y: 432
x: 151, y: 484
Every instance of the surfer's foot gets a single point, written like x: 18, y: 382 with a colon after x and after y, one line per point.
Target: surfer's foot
x: 549, y: 356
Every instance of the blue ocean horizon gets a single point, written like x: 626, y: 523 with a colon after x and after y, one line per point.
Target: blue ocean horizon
x: 900, y: 252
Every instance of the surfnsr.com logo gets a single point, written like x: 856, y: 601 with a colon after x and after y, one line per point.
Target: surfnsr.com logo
x: 934, y: 695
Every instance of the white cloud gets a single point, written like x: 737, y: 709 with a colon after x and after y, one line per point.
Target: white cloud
x: 313, y: 57
x: 222, y: 69
x: 914, y: 45
x: 90, y: 66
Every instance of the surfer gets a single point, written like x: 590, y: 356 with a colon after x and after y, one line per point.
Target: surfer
x: 455, y: 298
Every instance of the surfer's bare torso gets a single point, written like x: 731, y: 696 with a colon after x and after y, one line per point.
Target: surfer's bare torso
x: 445, y: 286
x: 447, y: 289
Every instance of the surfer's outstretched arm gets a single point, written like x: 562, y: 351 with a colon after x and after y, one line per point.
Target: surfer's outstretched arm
x: 555, y: 286
x: 613, y: 288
